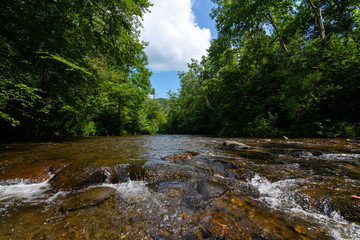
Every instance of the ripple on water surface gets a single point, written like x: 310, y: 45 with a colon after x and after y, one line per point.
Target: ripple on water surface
x: 285, y: 196
x: 215, y: 193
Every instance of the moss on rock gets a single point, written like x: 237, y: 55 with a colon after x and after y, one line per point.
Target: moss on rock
x: 347, y: 206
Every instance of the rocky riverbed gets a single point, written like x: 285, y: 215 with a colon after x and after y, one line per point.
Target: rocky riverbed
x: 180, y: 187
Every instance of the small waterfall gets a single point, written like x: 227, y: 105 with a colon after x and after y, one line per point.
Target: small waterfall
x: 121, y: 174
x: 22, y: 192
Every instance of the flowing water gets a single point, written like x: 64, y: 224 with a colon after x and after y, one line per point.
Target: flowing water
x: 178, y: 187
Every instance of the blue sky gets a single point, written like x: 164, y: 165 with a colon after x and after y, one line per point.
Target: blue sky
x: 176, y: 30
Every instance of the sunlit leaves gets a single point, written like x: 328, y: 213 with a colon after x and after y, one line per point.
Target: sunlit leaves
x: 274, y: 71
x: 65, y: 64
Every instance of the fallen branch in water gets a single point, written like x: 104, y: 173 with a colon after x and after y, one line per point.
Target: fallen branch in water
x: 355, y: 197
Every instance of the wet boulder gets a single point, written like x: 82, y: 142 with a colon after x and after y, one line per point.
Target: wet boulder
x: 163, y: 171
x: 225, y: 226
x: 90, y: 198
x: 259, y: 155
x: 301, y: 154
x: 27, y: 174
x: 348, y: 207
x: 203, y: 192
x: 77, y: 177
x: 178, y: 157
x: 24, y: 169
x: 233, y: 145
x: 242, y: 218
x: 211, y: 189
x: 198, y: 233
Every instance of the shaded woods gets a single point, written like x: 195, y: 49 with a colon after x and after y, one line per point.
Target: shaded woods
x: 277, y: 67
x: 74, y: 68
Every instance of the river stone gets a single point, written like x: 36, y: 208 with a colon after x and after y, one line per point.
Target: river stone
x: 301, y: 154
x: 349, y: 208
x: 224, y: 226
x: 24, y: 174
x: 77, y: 177
x: 242, y: 218
x: 203, y: 192
x: 162, y: 172
x: 180, y: 157
x: 89, y: 198
x: 211, y: 189
x: 233, y: 145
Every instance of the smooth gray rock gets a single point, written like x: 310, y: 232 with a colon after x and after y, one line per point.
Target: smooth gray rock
x: 89, y: 198
x: 77, y: 177
x: 163, y: 172
x: 233, y: 145
x: 202, y: 193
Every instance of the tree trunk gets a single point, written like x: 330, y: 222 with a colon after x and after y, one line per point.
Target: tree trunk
x: 117, y: 125
x: 119, y: 116
x: 277, y: 33
x: 319, y: 18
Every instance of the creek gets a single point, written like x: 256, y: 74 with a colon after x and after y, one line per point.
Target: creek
x: 180, y: 187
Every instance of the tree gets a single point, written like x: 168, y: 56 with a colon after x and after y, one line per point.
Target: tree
x: 235, y: 19
x: 277, y: 67
x: 51, y: 54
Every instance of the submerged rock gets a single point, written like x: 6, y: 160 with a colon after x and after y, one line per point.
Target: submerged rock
x: 203, y: 192
x: 179, y: 156
x: 90, y: 198
x: 348, y: 207
x: 301, y: 154
x: 241, y: 218
x: 25, y: 174
x: 211, y: 189
x: 24, y: 169
x: 224, y: 226
x: 161, y: 172
x: 233, y: 145
x: 77, y: 177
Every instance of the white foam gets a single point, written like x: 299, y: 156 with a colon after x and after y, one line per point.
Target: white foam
x: 275, y: 194
x: 280, y: 196
x: 52, y: 198
x: 340, y: 156
x: 141, y: 198
x: 134, y: 191
x: 23, y: 192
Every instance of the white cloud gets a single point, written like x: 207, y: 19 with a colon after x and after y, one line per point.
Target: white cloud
x: 173, y: 35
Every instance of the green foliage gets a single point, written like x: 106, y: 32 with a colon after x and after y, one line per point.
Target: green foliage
x: 73, y: 67
x: 152, y: 117
x: 337, y: 129
x: 19, y: 97
x: 277, y: 67
x: 164, y: 103
x: 261, y: 126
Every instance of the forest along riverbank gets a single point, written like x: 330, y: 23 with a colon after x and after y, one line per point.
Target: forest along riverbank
x: 176, y: 187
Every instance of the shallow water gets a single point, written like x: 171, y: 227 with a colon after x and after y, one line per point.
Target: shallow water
x: 181, y: 187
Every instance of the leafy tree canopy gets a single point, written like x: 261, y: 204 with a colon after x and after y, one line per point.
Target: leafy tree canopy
x: 277, y: 67
x: 73, y: 67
